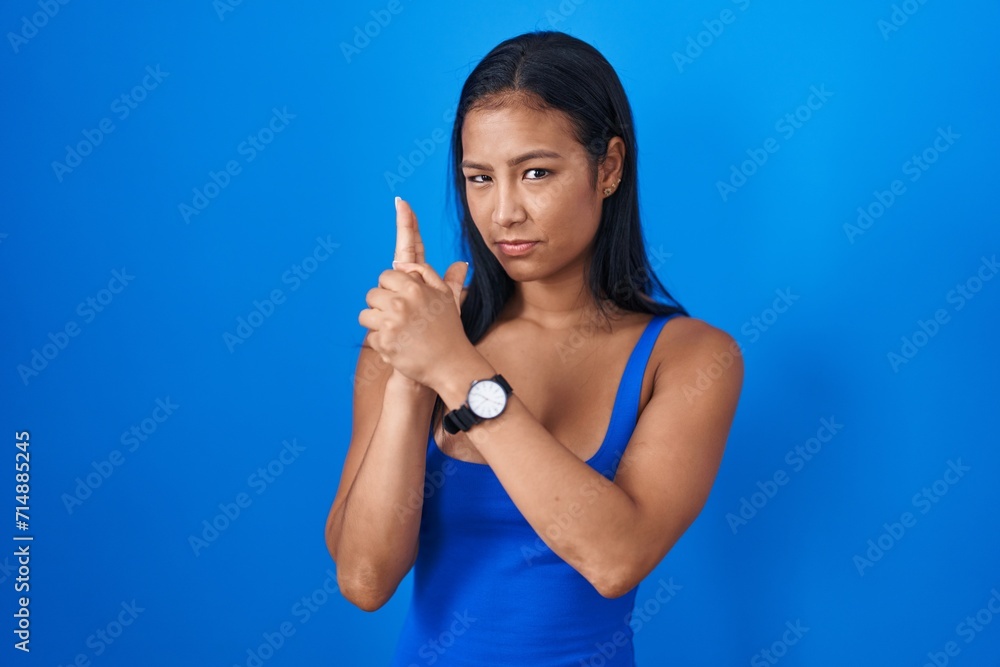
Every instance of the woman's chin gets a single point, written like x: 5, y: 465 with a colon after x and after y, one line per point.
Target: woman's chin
x: 518, y: 268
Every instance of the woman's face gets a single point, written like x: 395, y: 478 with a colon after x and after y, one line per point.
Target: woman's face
x: 528, y: 178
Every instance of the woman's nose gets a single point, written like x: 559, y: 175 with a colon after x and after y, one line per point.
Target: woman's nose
x: 507, y: 206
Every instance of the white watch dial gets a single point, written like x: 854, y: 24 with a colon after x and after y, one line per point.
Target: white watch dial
x: 487, y: 399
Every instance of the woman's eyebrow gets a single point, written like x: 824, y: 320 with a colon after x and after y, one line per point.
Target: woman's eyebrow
x: 514, y: 161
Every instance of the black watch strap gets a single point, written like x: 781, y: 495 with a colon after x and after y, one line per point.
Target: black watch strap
x: 460, y: 419
x: 463, y: 418
x: 500, y: 380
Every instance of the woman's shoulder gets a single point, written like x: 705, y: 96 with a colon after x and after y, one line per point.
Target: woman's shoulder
x: 688, y: 345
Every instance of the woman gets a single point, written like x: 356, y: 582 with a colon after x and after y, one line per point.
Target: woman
x: 533, y: 445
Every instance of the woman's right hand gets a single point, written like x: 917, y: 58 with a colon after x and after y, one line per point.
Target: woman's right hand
x: 409, y: 248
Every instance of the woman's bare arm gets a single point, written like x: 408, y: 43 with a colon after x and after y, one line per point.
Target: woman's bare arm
x: 373, y: 525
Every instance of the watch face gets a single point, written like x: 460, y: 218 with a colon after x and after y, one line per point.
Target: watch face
x: 487, y: 399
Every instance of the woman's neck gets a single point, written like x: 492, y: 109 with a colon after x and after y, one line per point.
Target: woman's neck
x: 555, y: 308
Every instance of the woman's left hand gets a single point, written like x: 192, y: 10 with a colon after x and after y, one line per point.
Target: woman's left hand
x: 415, y: 319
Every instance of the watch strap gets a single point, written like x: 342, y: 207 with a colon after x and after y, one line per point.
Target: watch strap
x: 500, y: 380
x: 463, y: 418
x: 460, y: 419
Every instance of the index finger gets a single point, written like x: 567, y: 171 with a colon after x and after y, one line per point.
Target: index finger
x: 409, y: 245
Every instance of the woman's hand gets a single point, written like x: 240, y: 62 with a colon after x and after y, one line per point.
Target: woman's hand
x: 415, y: 316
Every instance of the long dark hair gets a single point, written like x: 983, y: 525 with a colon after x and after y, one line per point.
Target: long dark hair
x: 566, y: 74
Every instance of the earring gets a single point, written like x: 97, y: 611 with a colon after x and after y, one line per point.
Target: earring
x: 608, y: 191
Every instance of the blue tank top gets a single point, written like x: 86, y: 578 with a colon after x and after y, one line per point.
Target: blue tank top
x: 488, y: 591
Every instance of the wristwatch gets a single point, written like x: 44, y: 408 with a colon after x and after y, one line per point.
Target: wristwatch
x: 486, y: 400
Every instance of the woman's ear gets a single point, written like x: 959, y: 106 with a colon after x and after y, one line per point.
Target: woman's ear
x: 613, y: 165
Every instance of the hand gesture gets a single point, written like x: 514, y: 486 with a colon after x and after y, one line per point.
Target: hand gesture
x: 414, y: 316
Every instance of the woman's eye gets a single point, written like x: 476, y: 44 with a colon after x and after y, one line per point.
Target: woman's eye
x: 538, y: 176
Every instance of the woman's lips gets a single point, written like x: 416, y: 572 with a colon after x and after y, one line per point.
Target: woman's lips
x: 514, y: 249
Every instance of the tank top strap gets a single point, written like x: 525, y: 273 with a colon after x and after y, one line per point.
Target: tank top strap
x: 625, y: 413
x: 636, y: 368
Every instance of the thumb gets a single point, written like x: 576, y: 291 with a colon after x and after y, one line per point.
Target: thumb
x: 454, y: 277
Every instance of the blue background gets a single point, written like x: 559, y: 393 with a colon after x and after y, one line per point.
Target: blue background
x: 352, y: 117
